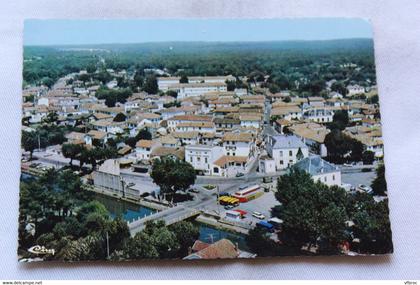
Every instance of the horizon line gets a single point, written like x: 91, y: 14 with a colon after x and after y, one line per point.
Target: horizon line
x: 200, y: 41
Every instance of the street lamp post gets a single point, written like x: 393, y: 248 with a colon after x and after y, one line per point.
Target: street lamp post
x: 39, y: 142
x: 107, y: 245
x: 123, y: 187
x: 218, y: 201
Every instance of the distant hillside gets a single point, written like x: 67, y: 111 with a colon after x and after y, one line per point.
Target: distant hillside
x: 218, y: 47
x: 286, y: 62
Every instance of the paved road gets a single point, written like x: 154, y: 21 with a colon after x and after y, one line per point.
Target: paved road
x: 206, y: 199
x: 170, y: 216
x: 55, y: 160
x: 268, y: 129
x: 356, y: 178
x: 182, y: 211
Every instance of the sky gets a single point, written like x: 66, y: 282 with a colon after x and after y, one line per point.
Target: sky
x: 76, y: 32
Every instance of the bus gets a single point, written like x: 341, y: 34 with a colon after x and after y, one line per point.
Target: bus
x: 227, y: 200
x: 266, y: 226
x: 276, y: 222
x: 233, y: 215
x: 248, y: 193
x: 241, y: 212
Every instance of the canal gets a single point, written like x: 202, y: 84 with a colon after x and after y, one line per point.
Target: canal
x: 211, y: 234
x: 128, y: 211
x: 131, y: 211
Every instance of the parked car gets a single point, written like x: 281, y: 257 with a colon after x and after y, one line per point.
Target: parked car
x: 268, y: 179
x: 258, y: 215
x: 239, y: 174
x: 34, y: 165
x: 365, y: 188
x: 266, y: 226
x: 193, y: 190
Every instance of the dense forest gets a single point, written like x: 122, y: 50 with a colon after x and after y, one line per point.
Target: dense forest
x: 294, y: 65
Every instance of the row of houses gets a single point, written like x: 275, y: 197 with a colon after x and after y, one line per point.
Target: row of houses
x: 218, y: 131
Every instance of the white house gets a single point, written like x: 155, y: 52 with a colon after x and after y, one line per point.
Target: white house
x: 168, y: 141
x: 240, y: 92
x: 253, y: 121
x: 201, y: 127
x: 355, y: 89
x: 43, y: 101
x: 229, y: 166
x: 93, y: 135
x: 133, y: 105
x: 172, y: 112
x: 226, y: 123
x: 316, y: 101
x: 144, y: 148
x: 164, y: 83
x: 65, y: 103
x: 313, y: 135
x: 185, y: 90
x: 112, y: 84
x: 319, y: 115
x: 288, y: 112
x: 201, y: 157
x: 336, y: 95
x: 320, y: 170
x: 81, y: 91
x: 174, y: 121
x: 376, y: 146
x: 286, y: 150
x: 335, y: 102
x: 267, y: 165
x: 186, y: 138
x: 221, y: 103
x: 109, y: 126
x: 238, y: 144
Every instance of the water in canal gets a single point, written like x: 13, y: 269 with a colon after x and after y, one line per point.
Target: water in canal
x: 25, y: 177
x: 129, y: 211
x: 210, y: 234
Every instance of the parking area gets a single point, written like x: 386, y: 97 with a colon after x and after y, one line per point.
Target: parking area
x: 262, y: 204
x: 356, y: 178
x: 267, y: 201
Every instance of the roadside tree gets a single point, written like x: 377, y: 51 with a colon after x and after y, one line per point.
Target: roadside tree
x: 71, y: 151
x: 172, y: 175
x: 379, y: 186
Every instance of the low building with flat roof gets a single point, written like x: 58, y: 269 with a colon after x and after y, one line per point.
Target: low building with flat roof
x: 320, y: 170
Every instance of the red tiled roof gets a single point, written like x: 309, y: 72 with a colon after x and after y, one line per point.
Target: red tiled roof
x: 223, y: 248
x: 199, y: 245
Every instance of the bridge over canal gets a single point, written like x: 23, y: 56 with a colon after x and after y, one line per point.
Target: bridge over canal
x: 169, y: 216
